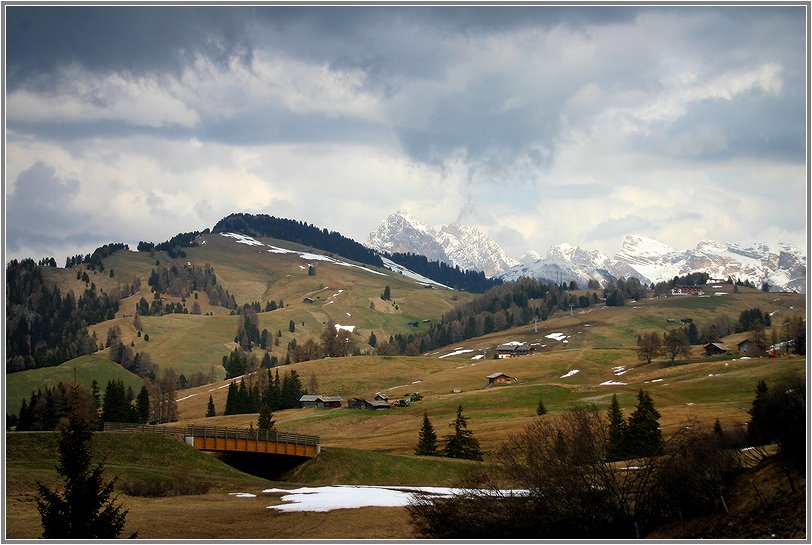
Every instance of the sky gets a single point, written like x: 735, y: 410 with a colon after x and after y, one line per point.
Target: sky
x: 538, y: 124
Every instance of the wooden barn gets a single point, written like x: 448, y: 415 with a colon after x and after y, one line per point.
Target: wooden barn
x: 499, y: 378
x: 715, y: 349
x: 358, y: 403
x: 319, y: 401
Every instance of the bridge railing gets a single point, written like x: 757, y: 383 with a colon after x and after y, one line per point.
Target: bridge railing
x: 214, y: 431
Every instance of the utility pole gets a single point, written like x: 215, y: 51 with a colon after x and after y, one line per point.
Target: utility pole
x: 570, y: 310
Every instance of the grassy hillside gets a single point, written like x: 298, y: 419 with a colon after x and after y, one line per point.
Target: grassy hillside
x: 85, y: 369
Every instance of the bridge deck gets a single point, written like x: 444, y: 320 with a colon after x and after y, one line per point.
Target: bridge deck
x: 233, y: 439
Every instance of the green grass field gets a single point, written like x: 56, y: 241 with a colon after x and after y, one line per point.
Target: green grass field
x: 85, y: 369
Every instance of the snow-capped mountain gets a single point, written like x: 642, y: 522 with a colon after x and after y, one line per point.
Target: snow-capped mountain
x: 455, y: 244
x: 651, y: 262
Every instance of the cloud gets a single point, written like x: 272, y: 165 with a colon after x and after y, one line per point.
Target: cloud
x: 540, y: 124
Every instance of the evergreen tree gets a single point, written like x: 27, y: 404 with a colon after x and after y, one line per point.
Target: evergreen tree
x: 84, y: 510
x: 116, y: 407
x: 643, y: 435
x: 387, y: 294
x: 758, y: 429
x: 373, y: 340
x: 540, y: 408
x: 292, y: 326
x: 462, y: 444
x: 265, y: 421
x: 616, y: 448
x: 232, y: 400
x: 210, y: 409
x: 427, y: 439
x: 142, y: 405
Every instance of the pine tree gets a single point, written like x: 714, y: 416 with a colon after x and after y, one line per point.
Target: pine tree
x: 142, y: 405
x: 540, y: 408
x: 643, y: 435
x: 616, y: 449
x: 373, y: 340
x: 387, y: 294
x: 265, y: 421
x: 232, y: 399
x: 462, y: 444
x: 210, y: 409
x: 427, y: 439
x: 84, y: 510
x: 758, y: 429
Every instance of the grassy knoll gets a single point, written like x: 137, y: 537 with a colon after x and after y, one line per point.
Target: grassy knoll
x: 94, y: 366
x: 351, y: 466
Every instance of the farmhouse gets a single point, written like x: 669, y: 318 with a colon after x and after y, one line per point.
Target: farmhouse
x: 358, y: 403
x: 308, y: 300
x: 499, y: 378
x: 745, y: 346
x: 381, y: 397
x: 319, y: 401
x: 686, y: 290
x: 512, y: 349
x: 715, y: 349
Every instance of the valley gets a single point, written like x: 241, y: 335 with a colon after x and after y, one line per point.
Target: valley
x: 578, y: 357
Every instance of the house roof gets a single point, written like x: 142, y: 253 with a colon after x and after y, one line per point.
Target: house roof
x: 742, y: 342
x: 326, y: 399
x: 717, y: 345
x: 498, y: 375
x: 513, y: 346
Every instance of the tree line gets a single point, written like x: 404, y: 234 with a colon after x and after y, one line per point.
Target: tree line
x: 261, y: 388
x: 263, y: 225
x: 44, y: 327
x: 501, y: 307
x: 448, y: 275
x: 174, y: 246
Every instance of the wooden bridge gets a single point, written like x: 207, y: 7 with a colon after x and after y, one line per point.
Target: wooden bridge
x: 212, y: 438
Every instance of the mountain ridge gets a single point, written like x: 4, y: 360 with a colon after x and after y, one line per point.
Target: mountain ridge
x: 782, y: 268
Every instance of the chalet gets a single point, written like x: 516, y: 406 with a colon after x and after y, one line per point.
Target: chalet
x: 499, y: 378
x: 358, y: 403
x: 687, y: 290
x: 381, y: 397
x: 512, y: 349
x: 308, y: 300
x: 319, y: 401
x: 715, y: 349
x: 414, y: 324
x: 745, y: 346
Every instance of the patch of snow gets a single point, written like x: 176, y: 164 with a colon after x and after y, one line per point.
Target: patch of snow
x: 243, y: 239
x: 556, y: 336
x: 565, y: 341
x: 416, y: 382
x: 410, y: 274
x: 302, y: 267
x: 478, y: 357
x: 612, y: 383
x: 717, y: 293
x: 328, y: 498
x: 570, y: 373
x: 457, y: 352
x: 329, y: 303
x: 348, y: 314
x: 745, y: 358
x: 242, y: 495
x: 349, y: 328
x: 187, y: 397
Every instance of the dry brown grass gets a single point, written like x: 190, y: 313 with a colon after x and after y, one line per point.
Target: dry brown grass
x: 217, y: 515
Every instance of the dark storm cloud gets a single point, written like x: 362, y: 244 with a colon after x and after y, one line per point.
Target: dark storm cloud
x: 40, y: 207
x: 40, y: 39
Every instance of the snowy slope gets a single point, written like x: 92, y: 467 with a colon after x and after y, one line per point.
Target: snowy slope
x: 651, y: 261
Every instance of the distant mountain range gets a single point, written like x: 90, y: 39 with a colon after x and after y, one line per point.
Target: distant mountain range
x: 783, y: 268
